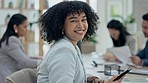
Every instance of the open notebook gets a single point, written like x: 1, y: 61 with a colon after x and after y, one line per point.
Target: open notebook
x: 122, y: 53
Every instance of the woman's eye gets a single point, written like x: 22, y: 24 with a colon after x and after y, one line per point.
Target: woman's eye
x: 73, y: 20
x: 83, y: 20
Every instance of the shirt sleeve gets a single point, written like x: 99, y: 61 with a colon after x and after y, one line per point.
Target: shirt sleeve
x: 62, y: 67
x: 142, y: 54
x: 15, y: 51
x: 145, y: 62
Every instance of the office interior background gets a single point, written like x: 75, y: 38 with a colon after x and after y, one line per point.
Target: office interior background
x: 106, y: 9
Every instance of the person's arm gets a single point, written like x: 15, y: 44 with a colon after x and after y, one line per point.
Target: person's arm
x: 62, y: 66
x: 142, y: 55
x: 145, y: 62
x: 136, y: 60
x: 15, y: 51
x: 141, y: 59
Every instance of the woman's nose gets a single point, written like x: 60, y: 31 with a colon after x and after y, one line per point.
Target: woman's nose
x: 80, y: 25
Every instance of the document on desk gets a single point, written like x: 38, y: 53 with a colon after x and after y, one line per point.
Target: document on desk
x: 122, y: 53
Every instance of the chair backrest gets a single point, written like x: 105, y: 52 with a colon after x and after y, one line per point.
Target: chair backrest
x: 23, y: 76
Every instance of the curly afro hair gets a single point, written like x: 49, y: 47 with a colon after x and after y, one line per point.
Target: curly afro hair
x: 52, y: 21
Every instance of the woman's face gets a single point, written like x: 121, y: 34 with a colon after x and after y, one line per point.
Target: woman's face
x: 114, y: 33
x: 22, y: 28
x: 75, y: 27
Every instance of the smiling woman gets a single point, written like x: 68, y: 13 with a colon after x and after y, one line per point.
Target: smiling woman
x: 66, y: 23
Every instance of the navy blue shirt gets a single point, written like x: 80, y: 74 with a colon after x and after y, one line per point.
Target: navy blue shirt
x: 143, y: 54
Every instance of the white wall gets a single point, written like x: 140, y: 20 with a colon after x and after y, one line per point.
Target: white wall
x: 53, y: 2
x: 103, y: 37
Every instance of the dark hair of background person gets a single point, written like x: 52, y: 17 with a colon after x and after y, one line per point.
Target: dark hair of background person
x: 52, y: 21
x: 16, y: 19
x: 117, y: 25
x: 145, y: 17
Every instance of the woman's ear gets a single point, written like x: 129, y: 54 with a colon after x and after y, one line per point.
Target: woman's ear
x: 15, y: 28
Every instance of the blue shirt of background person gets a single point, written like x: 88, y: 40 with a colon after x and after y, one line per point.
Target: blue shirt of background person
x: 144, y: 55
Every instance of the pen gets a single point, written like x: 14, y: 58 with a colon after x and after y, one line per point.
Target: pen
x: 95, y: 63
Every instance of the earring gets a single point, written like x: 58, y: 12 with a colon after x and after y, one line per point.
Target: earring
x: 15, y: 31
x: 63, y: 31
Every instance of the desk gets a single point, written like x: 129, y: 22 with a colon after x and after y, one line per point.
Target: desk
x: 88, y: 58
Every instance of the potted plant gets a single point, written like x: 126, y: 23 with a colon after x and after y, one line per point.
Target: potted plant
x: 88, y: 46
x: 131, y: 25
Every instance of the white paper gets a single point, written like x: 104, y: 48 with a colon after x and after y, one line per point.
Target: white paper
x: 122, y: 53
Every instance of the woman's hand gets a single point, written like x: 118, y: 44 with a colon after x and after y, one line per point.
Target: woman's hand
x: 94, y: 79
x: 136, y: 60
x: 111, y: 80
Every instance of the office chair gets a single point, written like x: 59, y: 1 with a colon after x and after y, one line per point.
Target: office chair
x: 23, y: 76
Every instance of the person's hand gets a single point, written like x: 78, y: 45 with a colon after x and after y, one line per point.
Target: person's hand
x: 94, y: 79
x: 109, y: 57
x: 111, y: 80
x: 136, y: 60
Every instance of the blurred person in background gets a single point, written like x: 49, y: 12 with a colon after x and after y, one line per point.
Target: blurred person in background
x: 12, y: 56
x: 142, y: 57
x: 120, y: 37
